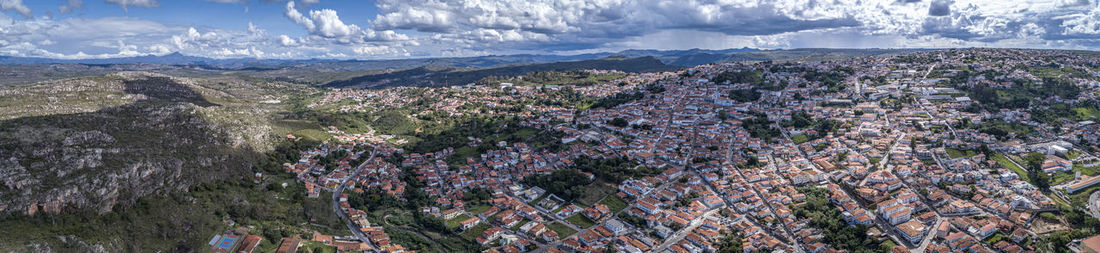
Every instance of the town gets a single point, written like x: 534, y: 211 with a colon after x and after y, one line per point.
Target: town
x: 963, y: 150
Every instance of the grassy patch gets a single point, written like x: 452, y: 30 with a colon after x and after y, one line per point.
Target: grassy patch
x: 581, y: 221
x: 1003, y: 161
x: 562, y: 230
x: 474, y: 232
x: 478, y: 209
x: 454, y: 223
x: 594, y: 192
x: 520, y: 224
x: 799, y: 139
x: 615, y: 203
x: 1091, y: 171
x: 1059, y: 178
x: 1086, y: 112
x: 955, y: 153
x: 316, y: 247
x: 993, y: 239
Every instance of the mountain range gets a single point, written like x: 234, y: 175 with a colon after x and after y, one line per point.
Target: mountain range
x: 681, y: 58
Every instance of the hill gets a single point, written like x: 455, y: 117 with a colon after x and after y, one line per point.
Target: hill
x: 445, y: 76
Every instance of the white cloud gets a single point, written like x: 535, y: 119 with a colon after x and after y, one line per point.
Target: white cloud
x: 139, y: 3
x: 17, y: 6
x: 70, y: 6
x: 297, y: 17
x: 287, y: 41
x: 1078, y: 24
x: 326, y: 23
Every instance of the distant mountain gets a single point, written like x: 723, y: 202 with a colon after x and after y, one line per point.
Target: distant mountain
x: 683, y: 58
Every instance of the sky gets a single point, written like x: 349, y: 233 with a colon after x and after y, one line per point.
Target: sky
x: 392, y: 29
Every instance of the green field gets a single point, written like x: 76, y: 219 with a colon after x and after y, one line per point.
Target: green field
x: 562, y: 230
x: 581, y: 221
x: 615, y: 203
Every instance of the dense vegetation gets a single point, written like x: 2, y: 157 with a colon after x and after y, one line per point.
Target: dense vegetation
x: 613, y: 170
x: 833, y: 80
x: 1034, y: 163
x: 618, y: 99
x: 835, y: 231
x: 569, y: 184
x: 492, y: 130
x: 751, y: 77
x: 745, y: 95
x: 185, y: 221
x: 760, y: 127
x: 1021, y: 94
x: 406, y: 224
x: 803, y: 120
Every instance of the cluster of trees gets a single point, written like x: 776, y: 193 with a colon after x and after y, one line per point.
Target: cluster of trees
x: 760, y: 127
x: 569, y: 184
x: 744, y: 95
x: 834, y: 79
x: 1054, y: 114
x: 1022, y: 93
x: 618, y: 122
x: 803, y: 120
x: 613, y: 170
x: 1034, y: 163
x: 618, y: 99
x: 836, y: 231
x: 654, y: 88
x: 730, y: 242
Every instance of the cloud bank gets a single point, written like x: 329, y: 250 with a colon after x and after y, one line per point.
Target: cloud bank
x: 422, y: 28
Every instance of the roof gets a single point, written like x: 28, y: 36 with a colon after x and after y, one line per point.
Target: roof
x: 1092, y: 243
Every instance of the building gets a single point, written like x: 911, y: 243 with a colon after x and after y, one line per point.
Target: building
x: 249, y: 244
x: 1084, y: 183
x: 1091, y: 245
x: 912, y: 230
x: 289, y: 245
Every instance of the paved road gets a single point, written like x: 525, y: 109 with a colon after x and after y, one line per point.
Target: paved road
x: 339, y: 212
x: 698, y: 221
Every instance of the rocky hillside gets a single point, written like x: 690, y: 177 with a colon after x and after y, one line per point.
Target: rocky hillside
x: 103, y: 142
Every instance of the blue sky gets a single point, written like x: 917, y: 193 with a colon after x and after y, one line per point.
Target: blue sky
x: 384, y: 29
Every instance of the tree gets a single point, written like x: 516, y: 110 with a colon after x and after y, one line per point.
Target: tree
x: 1035, y: 171
x: 618, y: 122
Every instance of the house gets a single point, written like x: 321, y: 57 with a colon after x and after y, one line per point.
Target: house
x: 249, y: 244
x: 1091, y: 245
x: 615, y: 226
x: 289, y: 245
x: 912, y: 230
x: 469, y: 223
x: 450, y: 213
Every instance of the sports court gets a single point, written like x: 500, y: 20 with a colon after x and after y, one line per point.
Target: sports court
x: 224, y: 244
